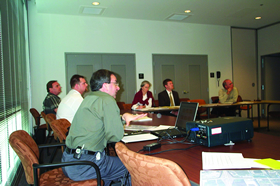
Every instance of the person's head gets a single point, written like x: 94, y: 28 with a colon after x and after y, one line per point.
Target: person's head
x: 168, y: 84
x: 227, y: 84
x: 53, y: 87
x: 78, y: 83
x: 145, y: 86
x: 105, y: 81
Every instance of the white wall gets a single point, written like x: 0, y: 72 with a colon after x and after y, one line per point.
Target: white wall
x: 53, y: 35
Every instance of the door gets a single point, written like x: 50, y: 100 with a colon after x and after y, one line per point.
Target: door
x: 189, y: 74
x: 270, y: 81
x: 121, y: 64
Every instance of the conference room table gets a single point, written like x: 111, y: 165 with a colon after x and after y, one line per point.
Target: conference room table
x: 213, y: 105
x: 190, y: 156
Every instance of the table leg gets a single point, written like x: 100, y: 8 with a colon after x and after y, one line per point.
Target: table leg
x: 259, y: 122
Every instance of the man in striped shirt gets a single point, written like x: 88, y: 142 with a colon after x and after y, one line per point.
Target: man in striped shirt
x: 52, y: 100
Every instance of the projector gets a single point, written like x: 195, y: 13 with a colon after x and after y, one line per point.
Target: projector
x: 220, y: 131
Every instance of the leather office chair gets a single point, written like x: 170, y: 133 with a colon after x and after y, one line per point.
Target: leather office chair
x: 156, y: 103
x: 49, y: 118
x: 40, y: 130
x: 184, y: 99
x: 244, y: 107
x: 149, y: 170
x: 200, y: 111
x: 28, y: 152
x: 60, y: 129
x: 127, y: 106
x: 120, y: 105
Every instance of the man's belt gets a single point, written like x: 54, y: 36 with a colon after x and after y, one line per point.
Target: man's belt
x: 72, y: 151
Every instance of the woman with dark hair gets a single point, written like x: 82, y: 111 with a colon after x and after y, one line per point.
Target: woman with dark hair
x: 143, y: 98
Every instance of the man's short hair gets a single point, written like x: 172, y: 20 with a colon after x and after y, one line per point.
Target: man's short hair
x: 99, y: 77
x: 165, y: 82
x: 49, y: 85
x: 75, y: 79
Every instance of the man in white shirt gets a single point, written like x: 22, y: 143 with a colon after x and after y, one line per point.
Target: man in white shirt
x: 71, y: 102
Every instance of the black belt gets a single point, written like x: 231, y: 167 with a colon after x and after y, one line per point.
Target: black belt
x: 72, y: 151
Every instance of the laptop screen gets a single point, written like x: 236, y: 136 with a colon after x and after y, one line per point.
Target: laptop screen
x: 187, y: 112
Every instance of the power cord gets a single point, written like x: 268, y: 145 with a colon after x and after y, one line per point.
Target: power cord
x: 172, y: 150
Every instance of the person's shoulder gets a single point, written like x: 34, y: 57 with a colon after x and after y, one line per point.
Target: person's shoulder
x: 162, y: 92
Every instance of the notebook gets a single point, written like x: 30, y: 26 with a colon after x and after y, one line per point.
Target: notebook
x: 187, y: 112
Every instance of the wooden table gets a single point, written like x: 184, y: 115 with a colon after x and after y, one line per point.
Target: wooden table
x: 261, y: 146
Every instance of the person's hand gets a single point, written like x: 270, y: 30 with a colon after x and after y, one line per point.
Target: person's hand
x: 141, y: 106
x: 229, y: 90
x: 129, y: 117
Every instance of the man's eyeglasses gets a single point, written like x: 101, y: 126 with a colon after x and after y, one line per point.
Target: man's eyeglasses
x: 115, y: 83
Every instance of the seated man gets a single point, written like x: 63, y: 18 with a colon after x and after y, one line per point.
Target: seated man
x: 52, y: 100
x: 71, y: 102
x: 168, y: 97
x: 96, y: 123
x: 228, y: 94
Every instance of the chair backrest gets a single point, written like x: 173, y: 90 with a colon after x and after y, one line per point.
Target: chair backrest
x: 184, y: 99
x: 27, y: 150
x: 127, y: 106
x: 120, y: 105
x: 239, y: 98
x: 60, y: 128
x: 48, y: 118
x: 201, y: 102
x: 148, y: 170
x: 156, y: 103
x: 215, y: 99
x: 36, y: 116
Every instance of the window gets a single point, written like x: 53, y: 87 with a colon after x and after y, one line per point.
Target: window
x: 14, y: 82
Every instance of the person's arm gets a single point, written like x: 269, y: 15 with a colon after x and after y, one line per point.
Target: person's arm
x: 222, y: 96
x: 127, y: 117
x: 233, y: 95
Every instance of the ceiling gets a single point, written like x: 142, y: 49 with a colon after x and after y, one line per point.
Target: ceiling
x: 236, y: 13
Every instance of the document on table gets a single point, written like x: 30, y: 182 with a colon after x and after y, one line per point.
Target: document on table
x: 139, y: 137
x: 217, y: 160
x: 147, y: 127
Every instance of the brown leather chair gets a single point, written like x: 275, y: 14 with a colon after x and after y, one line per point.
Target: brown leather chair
x: 40, y: 130
x: 127, y: 106
x: 200, y: 111
x: 49, y: 118
x: 244, y: 107
x: 184, y: 99
x: 149, y: 170
x: 120, y: 105
x: 28, y: 152
x: 60, y: 129
x: 156, y: 103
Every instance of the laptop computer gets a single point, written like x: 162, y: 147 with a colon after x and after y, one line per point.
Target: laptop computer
x: 187, y: 112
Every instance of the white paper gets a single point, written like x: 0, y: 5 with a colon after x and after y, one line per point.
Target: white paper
x: 139, y: 137
x: 162, y: 127
x: 146, y: 118
x: 217, y: 160
x: 139, y: 127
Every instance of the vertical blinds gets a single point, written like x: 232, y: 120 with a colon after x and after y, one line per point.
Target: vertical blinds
x: 14, y: 82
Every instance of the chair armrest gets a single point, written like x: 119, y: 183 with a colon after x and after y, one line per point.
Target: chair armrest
x: 51, y: 145
x: 63, y: 164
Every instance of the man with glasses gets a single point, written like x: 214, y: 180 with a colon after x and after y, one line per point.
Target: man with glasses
x: 71, y: 102
x: 96, y: 123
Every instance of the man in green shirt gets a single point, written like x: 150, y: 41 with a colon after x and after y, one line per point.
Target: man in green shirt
x: 96, y: 123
